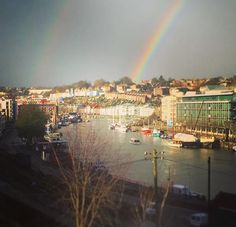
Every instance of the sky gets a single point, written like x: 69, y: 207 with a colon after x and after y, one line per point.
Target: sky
x: 59, y: 42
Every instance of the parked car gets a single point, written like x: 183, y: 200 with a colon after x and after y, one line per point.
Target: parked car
x: 151, y: 210
x: 199, y: 219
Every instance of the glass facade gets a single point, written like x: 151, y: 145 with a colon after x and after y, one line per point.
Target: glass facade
x: 205, y: 112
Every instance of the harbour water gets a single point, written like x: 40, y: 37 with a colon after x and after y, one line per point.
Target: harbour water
x: 183, y: 165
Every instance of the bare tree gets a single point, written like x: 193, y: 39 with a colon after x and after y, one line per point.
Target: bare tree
x: 147, y: 205
x: 163, y: 201
x: 146, y: 196
x: 89, y: 171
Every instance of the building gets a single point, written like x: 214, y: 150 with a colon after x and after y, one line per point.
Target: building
x: 134, y: 97
x: 39, y: 91
x: 121, y: 88
x: 128, y: 110
x: 134, y: 87
x: 206, y: 113
x: 214, y: 89
x: 178, y: 92
x: 7, y: 108
x: 168, y: 109
x: 107, y: 88
x: 162, y: 91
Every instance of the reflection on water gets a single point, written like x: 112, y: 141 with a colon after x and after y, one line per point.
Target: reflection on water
x: 185, y: 166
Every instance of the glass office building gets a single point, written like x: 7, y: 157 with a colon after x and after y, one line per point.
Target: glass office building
x: 206, y: 112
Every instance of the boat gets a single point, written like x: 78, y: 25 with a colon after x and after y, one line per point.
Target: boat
x: 112, y: 126
x: 207, y: 141
x: 187, y: 140
x: 135, y: 141
x: 174, y: 143
x: 156, y: 133
x: 146, y: 130
x: 234, y: 149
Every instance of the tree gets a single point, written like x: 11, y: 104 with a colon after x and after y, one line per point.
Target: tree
x: 81, y: 84
x: 99, y: 83
x: 91, y: 188
x: 162, y: 81
x: 154, y: 81
x: 146, y: 198
x: 31, y: 122
x: 214, y: 80
x: 125, y: 80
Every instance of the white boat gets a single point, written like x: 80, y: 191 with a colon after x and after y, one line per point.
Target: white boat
x: 183, y: 137
x: 174, y: 143
x: 112, y: 126
x: 234, y: 149
x: 135, y: 141
x: 187, y: 140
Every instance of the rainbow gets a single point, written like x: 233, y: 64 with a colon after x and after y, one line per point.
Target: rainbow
x: 156, y: 39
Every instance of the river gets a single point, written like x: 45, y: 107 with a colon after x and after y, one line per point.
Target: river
x: 183, y: 165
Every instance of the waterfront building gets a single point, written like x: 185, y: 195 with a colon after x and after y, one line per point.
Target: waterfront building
x: 128, y: 110
x: 146, y: 111
x: 206, y: 113
x: 168, y: 109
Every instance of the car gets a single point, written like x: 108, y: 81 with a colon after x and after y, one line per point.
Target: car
x: 151, y: 210
x: 199, y: 219
x: 197, y: 195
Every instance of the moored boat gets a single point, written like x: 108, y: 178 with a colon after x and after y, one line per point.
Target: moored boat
x: 112, y: 126
x: 234, y: 149
x: 146, y: 130
x: 187, y: 140
x: 156, y: 133
x: 135, y: 141
x: 174, y: 143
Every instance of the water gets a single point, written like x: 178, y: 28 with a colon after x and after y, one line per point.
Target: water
x: 183, y: 165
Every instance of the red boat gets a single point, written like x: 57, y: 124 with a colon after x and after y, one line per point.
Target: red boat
x: 146, y: 130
